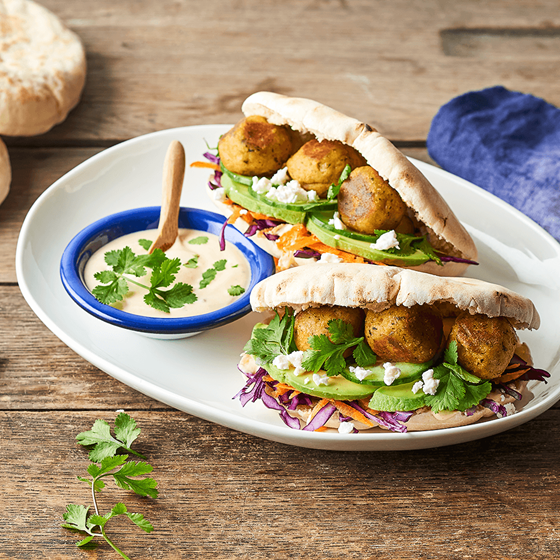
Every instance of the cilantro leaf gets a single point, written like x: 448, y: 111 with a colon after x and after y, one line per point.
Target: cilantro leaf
x: 179, y: 295
x: 277, y: 338
x: 145, y: 244
x: 111, y: 293
x: 141, y: 522
x: 126, y: 429
x: 75, y: 517
x: 142, y: 487
x: 201, y: 240
x: 207, y: 277
x: 164, y: 275
x: 105, y: 445
x: 192, y: 263
x: 335, y: 189
x: 236, y: 290
x: 364, y: 355
x: 220, y: 265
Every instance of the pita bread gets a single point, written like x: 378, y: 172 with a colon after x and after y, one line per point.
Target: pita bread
x: 379, y: 287
x: 444, y: 230
x: 5, y: 172
x: 42, y: 69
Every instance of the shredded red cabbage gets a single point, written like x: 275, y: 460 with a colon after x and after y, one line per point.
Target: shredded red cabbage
x: 212, y: 158
x: 470, y: 411
x: 321, y: 418
x: 271, y: 236
x: 496, y: 408
x: 259, y: 225
x: 217, y: 184
x: 389, y: 420
x: 223, y: 237
x: 307, y: 254
x: 507, y: 389
x: 447, y: 258
x: 533, y: 374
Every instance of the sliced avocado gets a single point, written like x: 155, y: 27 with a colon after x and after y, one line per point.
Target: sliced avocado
x: 318, y: 224
x: 338, y: 388
x: 397, y: 397
x: 409, y: 372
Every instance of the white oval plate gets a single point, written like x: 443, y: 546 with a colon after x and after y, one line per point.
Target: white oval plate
x: 199, y: 375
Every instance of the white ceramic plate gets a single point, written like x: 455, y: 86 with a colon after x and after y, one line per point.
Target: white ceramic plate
x: 199, y: 375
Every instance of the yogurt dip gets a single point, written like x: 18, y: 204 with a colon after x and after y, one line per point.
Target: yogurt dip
x: 198, y: 247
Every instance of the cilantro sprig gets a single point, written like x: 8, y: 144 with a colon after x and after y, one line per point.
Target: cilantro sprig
x: 105, y: 463
x: 126, y: 265
x: 458, y: 389
x: 211, y: 273
x: 327, y: 351
x: 335, y: 189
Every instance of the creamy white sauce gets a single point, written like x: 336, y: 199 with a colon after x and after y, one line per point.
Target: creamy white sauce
x: 211, y: 298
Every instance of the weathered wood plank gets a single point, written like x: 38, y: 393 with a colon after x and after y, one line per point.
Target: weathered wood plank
x: 227, y: 495
x: 183, y: 63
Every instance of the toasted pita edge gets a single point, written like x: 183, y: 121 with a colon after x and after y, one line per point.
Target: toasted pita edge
x: 379, y: 287
x: 306, y: 115
x: 5, y: 172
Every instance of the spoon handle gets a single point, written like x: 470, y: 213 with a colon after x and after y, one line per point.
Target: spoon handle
x: 173, y: 175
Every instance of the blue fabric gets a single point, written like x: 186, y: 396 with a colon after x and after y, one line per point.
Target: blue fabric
x: 507, y: 143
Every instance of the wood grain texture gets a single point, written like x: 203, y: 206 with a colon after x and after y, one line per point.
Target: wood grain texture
x: 228, y: 495
x: 180, y: 62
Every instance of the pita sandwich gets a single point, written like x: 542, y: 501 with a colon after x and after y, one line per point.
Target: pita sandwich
x: 5, y: 172
x: 323, y: 141
x: 42, y: 69
x: 357, y: 347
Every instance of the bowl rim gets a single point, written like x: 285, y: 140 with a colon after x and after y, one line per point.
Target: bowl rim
x: 260, y: 263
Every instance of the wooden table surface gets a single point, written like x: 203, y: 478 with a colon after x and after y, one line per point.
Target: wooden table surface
x: 156, y: 64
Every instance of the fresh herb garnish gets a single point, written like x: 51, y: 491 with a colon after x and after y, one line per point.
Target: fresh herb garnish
x: 335, y: 189
x: 145, y: 244
x: 274, y: 339
x: 220, y: 265
x: 328, y: 353
x: 236, y: 290
x: 192, y: 263
x: 105, y: 463
x: 458, y: 389
x: 210, y: 274
x: 164, y: 270
x: 201, y: 240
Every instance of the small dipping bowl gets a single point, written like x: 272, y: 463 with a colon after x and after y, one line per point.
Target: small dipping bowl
x: 98, y: 234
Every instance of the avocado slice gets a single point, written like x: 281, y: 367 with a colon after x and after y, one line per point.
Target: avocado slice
x: 394, y: 398
x: 318, y: 224
x: 409, y: 372
x: 338, y: 388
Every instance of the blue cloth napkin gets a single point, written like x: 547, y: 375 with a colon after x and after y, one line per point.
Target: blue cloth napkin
x: 507, y: 143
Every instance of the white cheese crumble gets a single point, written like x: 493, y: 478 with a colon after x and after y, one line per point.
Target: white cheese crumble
x: 320, y: 379
x: 510, y: 410
x: 392, y: 372
x: 219, y: 194
x: 262, y: 185
x: 293, y: 359
x: 428, y: 384
x: 242, y: 212
x: 329, y: 258
x: 360, y: 372
x: 346, y: 428
x: 289, y: 193
x: 281, y: 177
x: 337, y: 237
x: 281, y: 362
x: 336, y: 222
x: 386, y: 241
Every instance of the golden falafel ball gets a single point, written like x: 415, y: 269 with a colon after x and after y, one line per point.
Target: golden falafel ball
x: 485, y: 345
x: 367, y: 202
x: 406, y: 225
x: 315, y: 321
x: 255, y: 147
x: 404, y: 334
x: 316, y: 165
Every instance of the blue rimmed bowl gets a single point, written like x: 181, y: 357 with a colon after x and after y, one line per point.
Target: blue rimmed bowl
x: 98, y: 234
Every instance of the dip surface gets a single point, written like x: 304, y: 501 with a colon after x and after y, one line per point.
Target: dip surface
x: 211, y: 298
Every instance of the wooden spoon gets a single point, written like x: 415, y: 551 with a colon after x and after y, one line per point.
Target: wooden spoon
x: 173, y: 175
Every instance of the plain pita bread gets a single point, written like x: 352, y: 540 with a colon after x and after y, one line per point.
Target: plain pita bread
x: 379, y: 287
x: 5, y: 172
x: 444, y: 230
x: 42, y: 68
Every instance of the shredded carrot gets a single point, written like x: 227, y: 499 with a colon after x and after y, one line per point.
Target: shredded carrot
x: 322, y: 403
x: 347, y: 410
x: 206, y: 164
x: 297, y: 235
x: 507, y: 377
x: 321, y: 429
x: 235, y: 214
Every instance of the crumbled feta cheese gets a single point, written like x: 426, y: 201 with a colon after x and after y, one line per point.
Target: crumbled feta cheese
x: 289, y: 193
x: 336, y: 222
x: 510, y: 409
x: 337, y: 237
x: 386, y: 241
x: 296, y: 358
x: 312, y: 196
x: 360, y: 372
x: 281, y: 362
x: 430, y: 384
x: 280, y: 177
x: 392, y: 372
x: 502, y: 398
x: 346, y: 428
x: 417, y: 387
x: 262, y: 185
x: 242, y: 212
x: 307, y: 380
x: 329, y: 258
x: 219, y: 194
x: 320, y: 379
